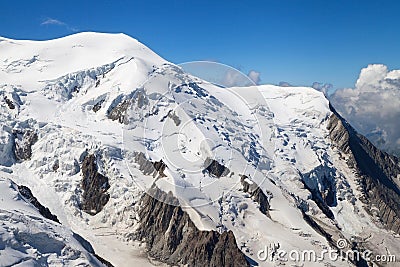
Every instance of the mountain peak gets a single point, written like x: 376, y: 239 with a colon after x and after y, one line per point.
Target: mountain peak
x: 118, y: 143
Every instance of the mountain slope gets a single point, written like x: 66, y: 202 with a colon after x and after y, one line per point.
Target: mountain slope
x: 101, y: 129
x: 28, y: 239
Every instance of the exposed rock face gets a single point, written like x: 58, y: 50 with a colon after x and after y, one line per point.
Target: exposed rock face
x: 321, y: 184
x: 98, y: 105
x: 377, y: 171
x: 9, y: 103
x: 331, y: 235
x: 310, y: 220
x: 56, y: 165
x: 27, y: 194
x: 214, y: 168
x: 24, y: 140
x: 94, y: 185
x: 256, y: 194
x: 191, y: 88
x: 86, y: 244
x: 171, y: 114
x: 149, y: 167
x: 118, y: 112
x: 171, y: 236
x: 174, y: 117
x: 137, y: 100
x: 316, y: 197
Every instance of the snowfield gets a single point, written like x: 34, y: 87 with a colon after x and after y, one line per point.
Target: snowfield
x: 28, y: 239
x: 111, y: 96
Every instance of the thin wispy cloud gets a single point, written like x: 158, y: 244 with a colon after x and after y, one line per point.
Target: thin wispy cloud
x: 56, y: 22
x: 50, y: 21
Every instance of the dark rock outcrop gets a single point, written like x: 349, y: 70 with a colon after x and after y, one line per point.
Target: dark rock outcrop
x: 98, y: 105
x: 316, y: 197
x: 377, y: 171
x: 56, y: 165
x: 45, y: 212
x: 149, y: 167
x: 256, y: 194
x: 320, y: 182
x: 9, y: 103
x: 86, y: 244
x: 215, y: 169
x: 311, y: 221
x: 136, y: 100
x: 332, y: 238
x: 171, y: 114
x: 171, y: 236
x: 94, y: 185
x: 118, y: 112
x: 174, y: 117
x: 23, y: 142
x: 191, y: 88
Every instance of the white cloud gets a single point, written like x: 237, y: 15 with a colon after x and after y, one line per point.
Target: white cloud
x: 233, y: 77
x: 323, y: 87
x: 254, y: 76
x: 56, y: 22
x: 373, y: 106
x: 50, y: 21
x: 285, y: 84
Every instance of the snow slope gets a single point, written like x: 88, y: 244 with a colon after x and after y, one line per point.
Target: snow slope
x: 28, y: 239
x: 65, y: 90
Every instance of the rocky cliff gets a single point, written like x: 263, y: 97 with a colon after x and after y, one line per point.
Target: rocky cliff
x: 377, y: 171
x: 172, y: 237
x: 94, y: 185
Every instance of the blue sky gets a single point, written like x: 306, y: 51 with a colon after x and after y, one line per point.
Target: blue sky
x: 295, y: 41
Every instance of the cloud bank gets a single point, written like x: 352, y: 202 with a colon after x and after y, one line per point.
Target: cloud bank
x: 373, y: 106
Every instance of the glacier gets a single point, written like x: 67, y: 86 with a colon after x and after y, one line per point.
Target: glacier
x: 247, y: 167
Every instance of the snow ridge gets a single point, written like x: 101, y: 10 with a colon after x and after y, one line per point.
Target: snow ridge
x: 109, y: 96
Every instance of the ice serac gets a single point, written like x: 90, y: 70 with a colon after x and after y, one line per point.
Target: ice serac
x: 171, y: 236
x: 31, y: 236
x: 377, y: 171
x: 110, y: 137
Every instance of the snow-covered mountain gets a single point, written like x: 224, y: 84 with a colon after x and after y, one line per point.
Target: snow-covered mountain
x: 32, y: 236
x: 142, y: 163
